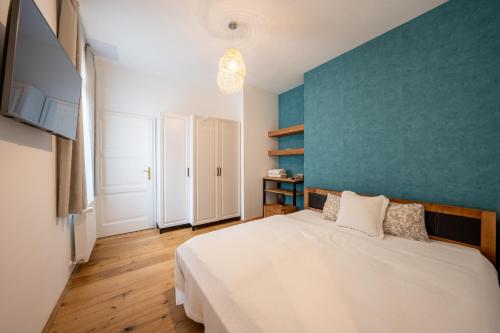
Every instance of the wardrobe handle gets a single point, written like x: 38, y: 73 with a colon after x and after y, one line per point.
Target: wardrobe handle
x: 188, y: 172
x: 217, y: 171
x: 220, y: 171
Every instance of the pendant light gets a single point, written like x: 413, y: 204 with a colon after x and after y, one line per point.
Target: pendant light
x: 232, y: 69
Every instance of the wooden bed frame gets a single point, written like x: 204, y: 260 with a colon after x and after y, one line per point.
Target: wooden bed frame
x: 488, y: 220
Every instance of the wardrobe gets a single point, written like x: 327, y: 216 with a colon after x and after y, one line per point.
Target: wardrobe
x: 201, y: 170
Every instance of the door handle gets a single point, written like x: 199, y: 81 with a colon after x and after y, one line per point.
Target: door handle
x: 148, y: 171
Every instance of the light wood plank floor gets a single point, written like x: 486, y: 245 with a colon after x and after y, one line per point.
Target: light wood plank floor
x: 128, y: 286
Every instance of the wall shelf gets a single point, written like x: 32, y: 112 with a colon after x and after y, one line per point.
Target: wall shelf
x: 278, y: 190
x: 284, y: 180
x: 282, y: 191
x: 284, y: 152
x: 292, y: 130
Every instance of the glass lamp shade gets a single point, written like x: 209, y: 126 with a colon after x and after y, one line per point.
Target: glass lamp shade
x: 232, y: 62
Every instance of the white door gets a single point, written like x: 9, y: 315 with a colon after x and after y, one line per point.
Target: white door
x: 175, y: 160
x: 206, y: 170
x: 126, y: 190
x: 229, y: 161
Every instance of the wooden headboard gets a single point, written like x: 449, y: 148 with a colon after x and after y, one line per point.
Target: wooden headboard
x: 465, y: 226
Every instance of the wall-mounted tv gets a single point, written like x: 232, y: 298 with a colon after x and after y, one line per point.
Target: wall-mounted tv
x: 40, y: 85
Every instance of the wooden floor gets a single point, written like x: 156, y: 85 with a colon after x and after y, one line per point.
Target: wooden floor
x: 127, y: 286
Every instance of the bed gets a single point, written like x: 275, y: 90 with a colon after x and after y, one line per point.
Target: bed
x: 300, y: 273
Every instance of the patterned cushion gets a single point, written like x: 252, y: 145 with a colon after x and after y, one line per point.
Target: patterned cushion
x: 406, y: 221
x: 331, y: 207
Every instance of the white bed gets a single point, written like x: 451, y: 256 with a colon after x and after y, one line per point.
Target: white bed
x: 301, y: 273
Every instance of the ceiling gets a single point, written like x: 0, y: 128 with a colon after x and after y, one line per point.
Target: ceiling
x: 279, y: 39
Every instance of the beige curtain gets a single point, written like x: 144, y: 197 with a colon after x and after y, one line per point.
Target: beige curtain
x: 71, y: 189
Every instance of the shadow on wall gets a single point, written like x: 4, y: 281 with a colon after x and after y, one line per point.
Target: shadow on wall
x: 17, y: 133
x: 2, y: 35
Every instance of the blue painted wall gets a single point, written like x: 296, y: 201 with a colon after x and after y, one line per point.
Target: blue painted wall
x: 414, y: 113
x: 291, y: 112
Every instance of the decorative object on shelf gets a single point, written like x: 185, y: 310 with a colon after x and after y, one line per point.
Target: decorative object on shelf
x: 299, y: 176
x: 277, y: 209
x: 280, y: 198
x: 232, y: 69
x: 277, y: 173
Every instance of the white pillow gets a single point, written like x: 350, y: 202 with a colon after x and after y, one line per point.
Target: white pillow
x: 365, y: 214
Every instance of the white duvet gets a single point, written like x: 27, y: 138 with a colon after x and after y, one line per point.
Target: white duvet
x: 301, y: 273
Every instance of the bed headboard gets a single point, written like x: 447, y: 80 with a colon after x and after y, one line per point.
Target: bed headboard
x: 465, y: 226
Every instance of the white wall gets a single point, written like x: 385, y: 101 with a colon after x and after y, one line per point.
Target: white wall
x: 125, y: 90
x: 260, y: 115
x: 35, y: 247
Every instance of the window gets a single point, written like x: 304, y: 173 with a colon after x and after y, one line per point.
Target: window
x: 87, y: 71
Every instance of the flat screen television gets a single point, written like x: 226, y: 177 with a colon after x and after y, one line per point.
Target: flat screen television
x: 40, y: 85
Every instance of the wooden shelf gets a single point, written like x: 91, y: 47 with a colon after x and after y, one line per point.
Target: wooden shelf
x: 284, y: 152
x: 281, y: 191
x: 284, y: 180
x: 292, y: 130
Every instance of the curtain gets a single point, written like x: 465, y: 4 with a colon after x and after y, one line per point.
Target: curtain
x: 71, y: 187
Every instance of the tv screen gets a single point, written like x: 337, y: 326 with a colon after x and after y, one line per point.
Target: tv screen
x: 41, y: 86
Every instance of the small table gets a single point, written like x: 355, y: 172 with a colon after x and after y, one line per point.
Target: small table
x: 278, y: 190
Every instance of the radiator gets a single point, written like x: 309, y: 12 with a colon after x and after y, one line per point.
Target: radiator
x: 84, y: 233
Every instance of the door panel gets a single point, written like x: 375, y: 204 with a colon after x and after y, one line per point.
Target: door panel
x: 126, y: 194
x: 175, y: 164
x: 230, y: 164
x: 117, y: 207
x: 206, y: 171
x: 120, y: 175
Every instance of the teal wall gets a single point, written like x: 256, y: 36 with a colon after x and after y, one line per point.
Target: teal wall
x: 414, y: 113
x: 291, y: 112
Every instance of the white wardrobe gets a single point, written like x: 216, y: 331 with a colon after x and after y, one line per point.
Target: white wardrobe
x: 201, y: 170
x: 175, y: 178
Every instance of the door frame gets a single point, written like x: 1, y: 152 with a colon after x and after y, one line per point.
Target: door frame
x: 97, y: 161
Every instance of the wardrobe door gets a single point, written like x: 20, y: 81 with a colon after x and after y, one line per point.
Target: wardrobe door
x: 175, y: 178
x: 229, y: 159
x: 206, y: 170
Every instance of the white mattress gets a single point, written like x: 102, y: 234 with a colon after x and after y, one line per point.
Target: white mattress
x: 301, y: 273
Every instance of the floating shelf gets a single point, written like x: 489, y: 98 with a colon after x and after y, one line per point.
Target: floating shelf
x: 282, y: 191
x: 284, y: 152
x: 292, y: 130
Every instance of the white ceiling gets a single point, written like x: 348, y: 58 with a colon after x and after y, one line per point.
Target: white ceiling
x: 279, y: 39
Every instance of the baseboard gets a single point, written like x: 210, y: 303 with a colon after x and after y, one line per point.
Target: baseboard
x: 211, y: 224
x: 175, y: 227
x: 253, y: 219
x: 52, y: 316
x: 187, y: 225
